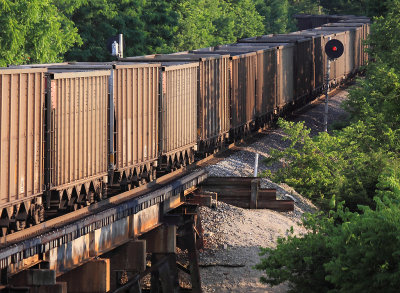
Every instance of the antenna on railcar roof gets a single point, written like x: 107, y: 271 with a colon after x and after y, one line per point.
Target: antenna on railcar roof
x: 115, y: 45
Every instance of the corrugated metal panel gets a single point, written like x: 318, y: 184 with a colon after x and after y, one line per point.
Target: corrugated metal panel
x: 243, y: 72
x: 136, y: 114
x: 338, y: 67
x: 266, y: 81
x: 303, y: 66
x: 21, y: 133
x: 179, y: 107
x: 213, y: 89
x: 214, y: 106
x: 243, y: 91
x: 356, y: 37
x: 265, y: 75
x: 285, y: 75
x: 79, y: 126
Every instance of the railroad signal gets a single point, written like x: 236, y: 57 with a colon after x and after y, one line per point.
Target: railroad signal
x: 334, y: 49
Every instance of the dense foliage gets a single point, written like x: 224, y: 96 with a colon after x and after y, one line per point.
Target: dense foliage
x: 352, y: 246
x: 34, y: 31
x: 46, y: 31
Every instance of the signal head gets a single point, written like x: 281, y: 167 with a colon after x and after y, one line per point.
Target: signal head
x: 334, y: 49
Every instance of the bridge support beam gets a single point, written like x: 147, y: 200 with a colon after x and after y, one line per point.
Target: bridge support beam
x: 36, y: 281
x: 93, y: 276
x: 126, y: 261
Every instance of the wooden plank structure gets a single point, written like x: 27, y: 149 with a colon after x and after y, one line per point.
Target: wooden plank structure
x: 245, y: 192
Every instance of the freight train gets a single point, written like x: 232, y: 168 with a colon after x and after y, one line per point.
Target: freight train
x: 71, y: 132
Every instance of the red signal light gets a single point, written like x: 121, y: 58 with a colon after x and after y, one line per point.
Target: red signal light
x: 334, y: 48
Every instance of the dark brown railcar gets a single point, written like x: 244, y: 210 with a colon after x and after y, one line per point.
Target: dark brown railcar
x: 243, y: 70
x: 266, y: 77
x: 364, y: 34
x: 132, y: 115
x: 213, y: 95
x: 284, y: 72
x: 303, y: 66
x: 338, y: 67
x: 78, y: 148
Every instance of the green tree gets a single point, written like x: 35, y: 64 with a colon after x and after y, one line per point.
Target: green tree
x: 98, y: 20
x: 161, y: 25
x: 34, y: 32
x: 358, y: 7
x: 199, y: 24
x: 247, y: 21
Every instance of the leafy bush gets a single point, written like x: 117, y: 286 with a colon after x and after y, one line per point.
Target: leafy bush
x: 326, y: 168
x: 344, y: 251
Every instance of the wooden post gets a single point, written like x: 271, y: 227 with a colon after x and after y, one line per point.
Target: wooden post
x: 255, y: 185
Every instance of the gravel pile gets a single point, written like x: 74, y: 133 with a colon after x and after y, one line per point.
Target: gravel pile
x: 233, y: 235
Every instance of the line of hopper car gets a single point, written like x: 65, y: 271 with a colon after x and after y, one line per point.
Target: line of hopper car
x: 71, y: 132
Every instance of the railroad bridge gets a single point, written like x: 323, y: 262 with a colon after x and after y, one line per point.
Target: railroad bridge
x: 101, y: 247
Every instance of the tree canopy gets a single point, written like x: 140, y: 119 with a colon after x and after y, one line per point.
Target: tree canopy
x: 34, y: 32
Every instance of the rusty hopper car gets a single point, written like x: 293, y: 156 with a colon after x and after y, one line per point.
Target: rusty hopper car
x: 316, y: 60
x: 243, y: 68
x: 284, y: 72
x: 303, y: 67
x: 178, y: 119
x: 135, y: 95
x: 353, y: 54
x: 266, y: 75
x: 133, y: 116
x: 76, y: 157
x: 338, y: 67
x: 22, y: 99
x: 213, y: 95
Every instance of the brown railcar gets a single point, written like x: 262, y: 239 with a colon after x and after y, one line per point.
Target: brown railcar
x: 78, y: 135
x: 213, y: 105
x: 178, y: 119
x: 22, y: 99
x: 303, y: 66
x: 243, y: 69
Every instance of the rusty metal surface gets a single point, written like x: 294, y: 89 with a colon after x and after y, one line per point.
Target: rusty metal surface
x: 285, y: 90
x: 21, y: 134
x: 67, y: 235
x: 79, y: 126
x: 213, y: 90
x: 266, y: 74
x: 303, y: 59
x: 178, y: 119
x: 243, y: 90
x: 214, y: 105
x: 136, y: 114
x: 360, y: 36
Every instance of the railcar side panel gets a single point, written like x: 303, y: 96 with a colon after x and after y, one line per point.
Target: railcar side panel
x: 179, y: 108
x: 79, y: 103
x: 136, y: 114
x: 21, y: 134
